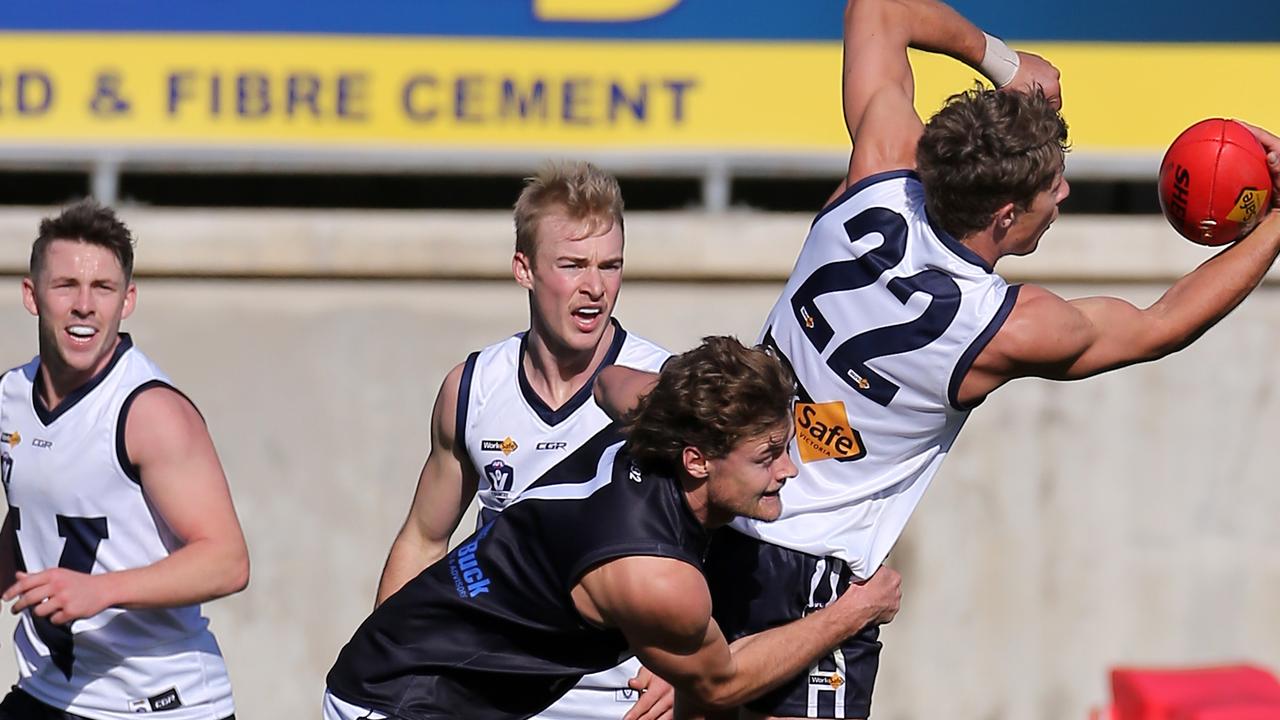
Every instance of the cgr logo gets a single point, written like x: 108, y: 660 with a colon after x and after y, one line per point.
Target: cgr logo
x: 823, y: 433
x: 41, y: 443
x: 551, y: 446
x: 501, y: 476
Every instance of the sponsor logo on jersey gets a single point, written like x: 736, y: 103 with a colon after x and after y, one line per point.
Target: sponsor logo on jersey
x: 831, y: 680
x: 501, y: 476
x: 469, y: 579
x: 11, y: 438
x: 41, y: 443
x: 551, y: 446
x: 167, y: 700
x: 823, y: 432
x: 505, y: 445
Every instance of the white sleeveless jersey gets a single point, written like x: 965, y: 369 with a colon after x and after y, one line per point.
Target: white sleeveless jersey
x: 77, y: 503
x: 512, y: 437
x: 880, y: 320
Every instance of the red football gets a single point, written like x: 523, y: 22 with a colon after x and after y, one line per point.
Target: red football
x: 1214, y: 184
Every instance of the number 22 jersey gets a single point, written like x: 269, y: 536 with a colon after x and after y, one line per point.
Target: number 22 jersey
x: 76, y: 502
x: 881, y: 319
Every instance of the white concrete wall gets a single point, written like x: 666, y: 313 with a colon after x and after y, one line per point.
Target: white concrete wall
x: 1126, y: 519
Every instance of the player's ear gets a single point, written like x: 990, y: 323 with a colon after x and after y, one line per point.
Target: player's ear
x: 522, y: 269
x: 1004, y: 218
x: 130, y: 300
x: 695, y: 462
x: 29, y: 296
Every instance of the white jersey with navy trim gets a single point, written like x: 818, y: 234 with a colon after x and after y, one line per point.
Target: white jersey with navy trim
x: 882, y: 317
x: 512, y: 437
x: 76, y: 502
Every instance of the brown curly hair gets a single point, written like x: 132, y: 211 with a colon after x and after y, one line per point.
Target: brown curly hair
x: 985, y: 148
x: 711, y: 397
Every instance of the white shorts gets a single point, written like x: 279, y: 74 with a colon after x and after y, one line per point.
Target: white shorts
x: 338, y: 709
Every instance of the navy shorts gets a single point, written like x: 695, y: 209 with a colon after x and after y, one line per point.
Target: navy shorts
x: 756, y: 586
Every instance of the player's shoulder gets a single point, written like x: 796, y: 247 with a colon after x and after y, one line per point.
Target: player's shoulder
x: 891, y: 188
x: 1037, y: 326
x: 661, y: 596
x: 641, y: 353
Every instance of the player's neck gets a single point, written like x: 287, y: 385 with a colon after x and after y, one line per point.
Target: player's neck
x: 57, y: 380
x: 557, y: 372
x: 698, y: 500
x: 984, y: 244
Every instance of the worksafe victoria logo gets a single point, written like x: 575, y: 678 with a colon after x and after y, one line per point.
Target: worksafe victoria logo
x: 10, y: 438
x: 506, y: 445
x: 823, y: 432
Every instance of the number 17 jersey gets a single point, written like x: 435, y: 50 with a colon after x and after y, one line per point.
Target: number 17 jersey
x: 880, y: 321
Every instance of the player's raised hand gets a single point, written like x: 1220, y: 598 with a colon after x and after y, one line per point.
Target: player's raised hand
x: 1271, y: 144
x: 1034, y: 71
x: 58, y: 594
x: 657, y: 697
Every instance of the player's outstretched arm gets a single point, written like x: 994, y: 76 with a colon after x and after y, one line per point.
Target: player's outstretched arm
x: 1046, y: 336
x: 879, y: 88
x: 166, y: 439
x: 618, y: 389
x: 663, y: 607
x: 446, y: 487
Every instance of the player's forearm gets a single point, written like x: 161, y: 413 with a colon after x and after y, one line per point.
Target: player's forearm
x: 408, y: 557
x: 763, y: 661
x: 1206, y: 295
x: 8, y: 553
x: 199, y: 571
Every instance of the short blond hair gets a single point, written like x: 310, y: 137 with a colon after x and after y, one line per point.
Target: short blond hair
x: 580, y: 190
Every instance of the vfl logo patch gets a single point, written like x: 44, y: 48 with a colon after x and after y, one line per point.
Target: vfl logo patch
x: 11, y: 438
x: 626, y: 695
x: 506, y: 445
x: 823, y: 433
x: 1248, y: 207
x: 501, y: 475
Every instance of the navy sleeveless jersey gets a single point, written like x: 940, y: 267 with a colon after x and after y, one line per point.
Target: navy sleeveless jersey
x: 490, y: 631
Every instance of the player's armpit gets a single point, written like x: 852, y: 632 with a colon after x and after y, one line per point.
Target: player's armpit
x: 446, y: 487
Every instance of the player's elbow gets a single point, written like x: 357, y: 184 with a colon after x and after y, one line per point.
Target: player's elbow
x: 715, y: 694
x: 235, y: 576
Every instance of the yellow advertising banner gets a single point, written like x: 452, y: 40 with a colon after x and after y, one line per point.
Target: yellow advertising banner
x: 479, y: 93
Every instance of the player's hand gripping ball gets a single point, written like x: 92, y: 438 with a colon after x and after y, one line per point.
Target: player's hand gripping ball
x: 1214, y: 184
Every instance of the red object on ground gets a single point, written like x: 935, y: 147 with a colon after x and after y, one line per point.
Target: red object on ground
x: 1172, y: 694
